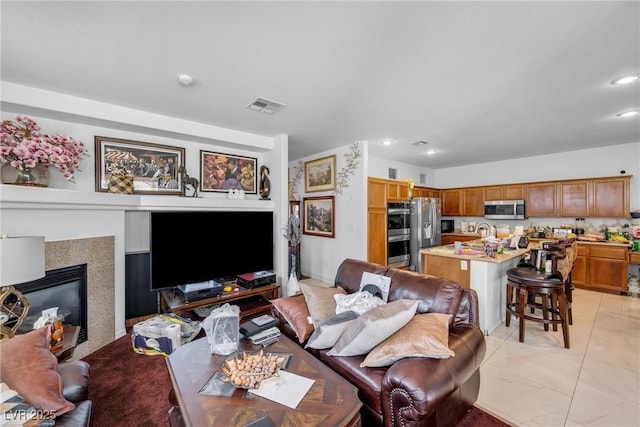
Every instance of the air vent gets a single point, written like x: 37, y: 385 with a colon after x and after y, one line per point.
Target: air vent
x: 266, y: 106
x: 420, y: 143
x: 423, y: 179
x: 393, y: 173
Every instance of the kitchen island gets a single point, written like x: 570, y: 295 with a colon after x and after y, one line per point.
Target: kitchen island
x: 472, y: 269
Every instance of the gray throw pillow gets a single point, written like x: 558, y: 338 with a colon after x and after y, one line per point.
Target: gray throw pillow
x: 329, y: 330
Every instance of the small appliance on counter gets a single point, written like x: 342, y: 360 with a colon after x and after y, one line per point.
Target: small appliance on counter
x: 447, y: 226
x: 579, y: 226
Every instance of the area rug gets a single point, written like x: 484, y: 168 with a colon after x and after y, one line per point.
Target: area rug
x: 132, y: 389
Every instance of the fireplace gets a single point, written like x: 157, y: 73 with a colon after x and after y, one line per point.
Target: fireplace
x: 65, y: 288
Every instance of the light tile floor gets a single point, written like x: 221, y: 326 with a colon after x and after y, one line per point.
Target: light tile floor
x: 594, y: 383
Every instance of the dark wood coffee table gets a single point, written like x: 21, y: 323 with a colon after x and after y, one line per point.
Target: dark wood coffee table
x: 331, y: 401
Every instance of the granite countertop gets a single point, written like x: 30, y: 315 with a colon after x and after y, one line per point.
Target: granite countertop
x: 449, y: 251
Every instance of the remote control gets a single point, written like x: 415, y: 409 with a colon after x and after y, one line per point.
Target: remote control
x: 265, y: 333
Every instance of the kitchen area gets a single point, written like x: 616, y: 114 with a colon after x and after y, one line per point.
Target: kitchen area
x: 476, y: 250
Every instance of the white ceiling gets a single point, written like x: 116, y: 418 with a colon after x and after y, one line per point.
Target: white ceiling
x: 479, y: 81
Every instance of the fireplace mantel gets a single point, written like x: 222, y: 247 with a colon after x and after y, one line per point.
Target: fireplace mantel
x: 20, y: 197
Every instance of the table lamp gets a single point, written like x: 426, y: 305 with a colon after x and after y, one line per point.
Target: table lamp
x: 21, y: 260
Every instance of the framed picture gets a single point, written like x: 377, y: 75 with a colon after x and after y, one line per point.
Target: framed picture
x: 318, y: 216
x: 320, y: 174
x: 221, y: 172
x: 154, y: 167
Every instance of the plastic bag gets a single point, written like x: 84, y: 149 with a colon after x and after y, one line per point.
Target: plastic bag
x: 222, y: 327
x: 358, y: 302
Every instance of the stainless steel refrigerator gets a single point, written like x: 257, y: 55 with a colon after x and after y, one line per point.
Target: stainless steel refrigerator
x: 426, y: 213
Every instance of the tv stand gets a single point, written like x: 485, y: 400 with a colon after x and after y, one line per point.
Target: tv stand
x: 251, y: 301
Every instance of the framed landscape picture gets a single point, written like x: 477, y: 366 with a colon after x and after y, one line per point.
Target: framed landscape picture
x: 320, y: 174
x: 221, y: 172
x: 154, y: 167
x: 318, y: 216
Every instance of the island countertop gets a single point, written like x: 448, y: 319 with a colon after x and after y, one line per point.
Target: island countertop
x: 449, y: 251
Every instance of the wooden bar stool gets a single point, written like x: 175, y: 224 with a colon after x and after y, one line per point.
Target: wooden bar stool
x: 529, y: 283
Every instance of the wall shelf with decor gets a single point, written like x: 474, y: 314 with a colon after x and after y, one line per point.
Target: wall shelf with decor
x: 20, y: 197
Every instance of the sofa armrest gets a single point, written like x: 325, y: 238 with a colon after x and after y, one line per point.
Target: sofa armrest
x: 75, y: 380
x: 413, y: 388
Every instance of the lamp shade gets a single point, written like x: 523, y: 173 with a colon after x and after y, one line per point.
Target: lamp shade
x: 21, y: 259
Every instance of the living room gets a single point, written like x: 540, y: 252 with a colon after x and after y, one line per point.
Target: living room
x: 70, y: 211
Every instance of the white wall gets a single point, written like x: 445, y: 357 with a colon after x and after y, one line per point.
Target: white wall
x: 321, y: 256
x: 379, y: 168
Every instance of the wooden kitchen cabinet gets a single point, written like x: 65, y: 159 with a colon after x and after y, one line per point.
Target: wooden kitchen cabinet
x: 377, y: 193
x: 452, y: 202
x: 377, y: 220
x: 504, y: 192
x: 397, y: 191
x: 377, y: 234
x: 601, y: 267
x: 426, y: 192
x: 473, y: 201
x: 449, y: 239
x: 610, y: 197
x: 494, y: 193
x: 514, y: 192
x: 574, y: 198
x: 541, y: 199
x: 580, y: 272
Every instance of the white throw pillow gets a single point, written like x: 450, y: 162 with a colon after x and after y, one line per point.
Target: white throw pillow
x: 373, y: 327
x: 360, y: 302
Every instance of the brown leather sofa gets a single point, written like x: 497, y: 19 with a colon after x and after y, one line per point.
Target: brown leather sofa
x: 414, y: 391
x: 75, y: 383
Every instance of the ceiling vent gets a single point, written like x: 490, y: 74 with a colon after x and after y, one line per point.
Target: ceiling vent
x: 266, y: 106
x: 420, y: 143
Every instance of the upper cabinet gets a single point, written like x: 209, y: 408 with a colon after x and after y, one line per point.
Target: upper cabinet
x: 504, y: 192
x: 513, y: 192
x: 426, y: 192
x: 397, y: 190
x: 574, y: 198
x: 541, y: 199
x: 610, y: 197
x: 473, y: 201
x: 606, y: 197
x: 452, y: 202
x: 377, y: 193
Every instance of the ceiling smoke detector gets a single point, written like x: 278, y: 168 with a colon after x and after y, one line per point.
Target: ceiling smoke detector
x: 266, y: 106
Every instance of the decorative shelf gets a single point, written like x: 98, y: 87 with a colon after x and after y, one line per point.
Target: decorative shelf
x: 21, y: 197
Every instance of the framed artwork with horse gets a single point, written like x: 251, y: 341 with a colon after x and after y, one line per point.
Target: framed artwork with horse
x: 155, y: 168
x: 220, y: 172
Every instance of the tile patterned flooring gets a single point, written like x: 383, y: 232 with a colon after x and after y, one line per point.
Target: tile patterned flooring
x: 594, y: 383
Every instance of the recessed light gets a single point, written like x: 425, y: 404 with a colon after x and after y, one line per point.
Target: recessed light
x: 625, y: 79
x: 628, y: 114
x: 430, y: 152
x: 387, y: 142
x: 185, y: 80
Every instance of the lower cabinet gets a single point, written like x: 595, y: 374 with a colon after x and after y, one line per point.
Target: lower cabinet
x: 448, y: 239
x: 601, y: 267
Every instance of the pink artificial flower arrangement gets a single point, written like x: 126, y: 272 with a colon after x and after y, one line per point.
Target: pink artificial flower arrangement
x: 24, y: 147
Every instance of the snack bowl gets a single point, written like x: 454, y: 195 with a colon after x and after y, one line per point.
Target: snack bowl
x: 248, y: 369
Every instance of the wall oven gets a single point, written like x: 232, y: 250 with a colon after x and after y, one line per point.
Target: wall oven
x: 398, y: 234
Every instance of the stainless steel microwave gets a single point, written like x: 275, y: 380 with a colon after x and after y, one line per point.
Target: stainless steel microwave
x: 504, y: 209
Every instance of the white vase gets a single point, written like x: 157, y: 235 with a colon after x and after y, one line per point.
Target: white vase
x: 292, y: 285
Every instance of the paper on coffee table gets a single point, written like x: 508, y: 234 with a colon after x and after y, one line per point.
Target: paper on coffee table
x: 287, y: 389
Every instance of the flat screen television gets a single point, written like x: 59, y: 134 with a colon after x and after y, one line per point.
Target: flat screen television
x: 197, y: 246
